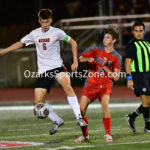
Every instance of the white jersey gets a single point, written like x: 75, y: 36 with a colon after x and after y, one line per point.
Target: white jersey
x: 47, y: 46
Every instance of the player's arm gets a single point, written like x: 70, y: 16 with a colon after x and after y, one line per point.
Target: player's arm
x: 88, y: 55
x: 128, y: 72
x: 73, y: 44
x: 113, y: 75
x: 84, y: 59
x: 13, y: 47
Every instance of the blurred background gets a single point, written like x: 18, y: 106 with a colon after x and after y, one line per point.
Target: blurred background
x: 84, y: 20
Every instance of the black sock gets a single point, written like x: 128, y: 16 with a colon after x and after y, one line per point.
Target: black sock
x: 146, y: 115
x: 137, y: 112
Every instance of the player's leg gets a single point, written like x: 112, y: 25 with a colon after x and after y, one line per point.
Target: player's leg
x: 106, y: 117
x: 106, y: 113
x: 145, y: 97
x: 84, y: 102
x: 146, y: 111
x: 64, y: 81
x: 135, y: 114
x: 130, y: 118
x: 40, y: 94
x: 141, y: 82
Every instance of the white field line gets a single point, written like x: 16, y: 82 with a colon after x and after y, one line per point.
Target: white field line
x: 117, y: 105
x: 97, y: 145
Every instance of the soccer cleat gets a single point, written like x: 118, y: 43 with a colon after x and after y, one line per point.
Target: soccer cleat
x: 147, y: 130
x: 108, y: 138
x: 130, y: 122
x: 82, y: 138
x: 81, y: 122
x: 56, y: 126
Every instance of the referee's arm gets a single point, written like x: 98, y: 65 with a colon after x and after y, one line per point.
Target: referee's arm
x: 128, y: 72
x: 128, y: 65
x: 130, y: 54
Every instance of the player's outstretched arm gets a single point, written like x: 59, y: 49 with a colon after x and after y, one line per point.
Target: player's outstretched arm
x: 14, y: 46
x: 73, y: 44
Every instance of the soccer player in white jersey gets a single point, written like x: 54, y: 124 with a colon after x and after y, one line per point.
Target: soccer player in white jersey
x: 46, y: 39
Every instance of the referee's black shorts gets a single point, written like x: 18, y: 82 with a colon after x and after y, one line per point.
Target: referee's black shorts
x: 141, y: 82
x: 46, y: 80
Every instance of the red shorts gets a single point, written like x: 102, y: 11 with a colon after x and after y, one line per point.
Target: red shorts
x: 93, y: 94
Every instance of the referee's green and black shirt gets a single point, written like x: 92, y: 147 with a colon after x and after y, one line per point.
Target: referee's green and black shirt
x: 139, y: 52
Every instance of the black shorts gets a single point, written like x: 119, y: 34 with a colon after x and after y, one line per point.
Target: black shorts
x: 46, y: 80
x: 141, y: 82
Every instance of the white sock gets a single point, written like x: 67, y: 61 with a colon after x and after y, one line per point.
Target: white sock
x: 73, y: 102
x: 52, y: 115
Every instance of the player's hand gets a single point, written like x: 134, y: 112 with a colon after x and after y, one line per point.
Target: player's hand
x: 74, y: 67
x: 1, y: 53
x: 104, y: 61
x: 91, y: 59
x: 130, y: 84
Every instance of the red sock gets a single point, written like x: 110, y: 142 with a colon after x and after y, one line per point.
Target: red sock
x: 85, y: 129
x: 107, y: 125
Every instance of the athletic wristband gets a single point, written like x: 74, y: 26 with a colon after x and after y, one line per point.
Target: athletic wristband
x: 129, y: 77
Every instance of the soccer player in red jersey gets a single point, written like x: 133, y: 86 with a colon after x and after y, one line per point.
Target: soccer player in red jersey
x: 104, y: 68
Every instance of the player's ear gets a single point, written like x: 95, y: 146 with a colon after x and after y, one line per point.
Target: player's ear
x: 114, y: 40
x: 51, y: 20
x: 39, y: 21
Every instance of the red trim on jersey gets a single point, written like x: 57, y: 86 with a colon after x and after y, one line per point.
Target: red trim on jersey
x: 65, y: 68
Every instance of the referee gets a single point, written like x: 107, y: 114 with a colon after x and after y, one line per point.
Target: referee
x: 137, y: 64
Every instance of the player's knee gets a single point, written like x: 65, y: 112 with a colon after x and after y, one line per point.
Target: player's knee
x: 83, y: 112
x: 105, y: 106
x: 67, y: 87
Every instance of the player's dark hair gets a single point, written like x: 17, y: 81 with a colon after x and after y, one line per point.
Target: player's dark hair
x: 45, y: 14
x: 138, y: 23
x: 112, y: 30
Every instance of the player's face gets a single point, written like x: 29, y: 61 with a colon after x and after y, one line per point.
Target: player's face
x: 138, y: 32
x: 45, y: 24
x: 108, y: 40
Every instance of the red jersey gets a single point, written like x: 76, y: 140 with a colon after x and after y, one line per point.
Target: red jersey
x: 96, y: 74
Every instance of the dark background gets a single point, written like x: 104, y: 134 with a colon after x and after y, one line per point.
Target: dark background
x: 18, y: 17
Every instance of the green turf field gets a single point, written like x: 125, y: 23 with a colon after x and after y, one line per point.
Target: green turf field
x: 23, y: 126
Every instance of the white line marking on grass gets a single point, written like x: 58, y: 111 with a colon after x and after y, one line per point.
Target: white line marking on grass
x: 117, y: 105
x: 97, y: 145
x: 67, y: 147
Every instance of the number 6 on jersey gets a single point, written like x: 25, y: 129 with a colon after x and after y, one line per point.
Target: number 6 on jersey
x: 44, y: 46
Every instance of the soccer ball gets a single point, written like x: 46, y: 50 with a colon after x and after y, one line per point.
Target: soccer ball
x: 41, y: 110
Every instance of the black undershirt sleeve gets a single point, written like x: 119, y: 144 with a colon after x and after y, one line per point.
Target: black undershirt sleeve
x: 130, y: 51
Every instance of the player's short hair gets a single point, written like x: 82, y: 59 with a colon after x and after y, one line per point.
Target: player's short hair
x: 138, y: 23
x: 45, y: 14
x: 112, y: 30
